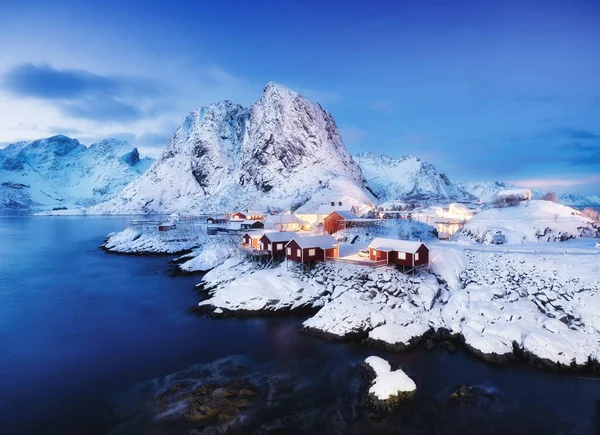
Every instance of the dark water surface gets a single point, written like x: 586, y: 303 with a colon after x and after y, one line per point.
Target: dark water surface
x: 80, y: 328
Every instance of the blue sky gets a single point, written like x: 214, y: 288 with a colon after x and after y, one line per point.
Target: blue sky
x: 484, y: 90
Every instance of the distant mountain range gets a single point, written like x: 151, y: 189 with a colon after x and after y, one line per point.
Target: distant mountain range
x: 486, y: 191
x: 284, y: 152
x: 408, y: 178
x: 61, y: 172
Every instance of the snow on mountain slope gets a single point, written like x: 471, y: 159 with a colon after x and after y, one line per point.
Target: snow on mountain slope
x: 277, y: 154
x: 407, y: 178
x: 531, y: 221
x: 60, y: 171
x: 486, y: 192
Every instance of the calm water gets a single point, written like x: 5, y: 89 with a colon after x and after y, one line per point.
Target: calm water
x: 80, y: 328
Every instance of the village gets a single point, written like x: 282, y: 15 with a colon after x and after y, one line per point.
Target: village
x: 308, y: 238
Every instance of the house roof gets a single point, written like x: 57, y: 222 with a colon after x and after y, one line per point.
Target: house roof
x: 283, y: 219
x: 328, y: 209
x: 323, y: 242
x: 257, y: 234
x: 382, y: 244
x: 250, y: 221
x: 281, y: 236
x: 345, y: 214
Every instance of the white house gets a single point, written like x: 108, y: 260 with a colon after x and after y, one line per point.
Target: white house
x: 283, y: 222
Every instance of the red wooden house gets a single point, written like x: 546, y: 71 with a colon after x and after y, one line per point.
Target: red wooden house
x: 400, y: 252
x: 337, y: 220
x: 239, y: 216
x: 275, y: 242
x: 310, y: 249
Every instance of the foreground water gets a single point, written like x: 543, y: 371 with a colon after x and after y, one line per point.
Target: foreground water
x: 82, y: 332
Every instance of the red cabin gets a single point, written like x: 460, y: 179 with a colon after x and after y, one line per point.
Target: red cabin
x: 275, y: 242
x: 239, y: 216
x: 337, y: 220
x: 401, y: 252
x: 312, y: 248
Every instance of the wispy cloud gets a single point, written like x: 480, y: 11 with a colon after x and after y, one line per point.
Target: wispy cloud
x: 82, y: 94
x: 385, y: 106
x: 572, y: 133
x: 547, y: 183
x: 353, y: 135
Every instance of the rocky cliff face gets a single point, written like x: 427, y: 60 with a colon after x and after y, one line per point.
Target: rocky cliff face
x: 407, y: 178
x: 61, y: 172
x: 277, y: 154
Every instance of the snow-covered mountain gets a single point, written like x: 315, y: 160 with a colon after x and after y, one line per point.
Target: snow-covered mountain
x: 486, y: 191
x: 407, y: 178
x: 281, y: 153
x: 61, y: 172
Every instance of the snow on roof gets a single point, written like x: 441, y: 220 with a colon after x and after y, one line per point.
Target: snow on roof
x: 235, y: 225
x: 283, y: 219
x: 281, y: 236
x: 382, y: 244
x: 327, y: 209
x: 346, y: 214
x: 257, y: 234
x: 323, y: 242
x: 250, y: 221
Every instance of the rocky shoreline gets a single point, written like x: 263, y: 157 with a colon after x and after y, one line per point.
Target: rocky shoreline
x: 387, y: 310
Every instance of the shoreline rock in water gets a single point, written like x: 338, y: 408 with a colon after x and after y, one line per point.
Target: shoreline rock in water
x: 499, y: 307
x: 388, y: 388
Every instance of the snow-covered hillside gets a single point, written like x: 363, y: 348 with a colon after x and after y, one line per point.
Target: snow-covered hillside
x: 279, y: 153
x: 531, y: 221
x: 61, y: 172
x: 407, y: 178
x: 486, y: 191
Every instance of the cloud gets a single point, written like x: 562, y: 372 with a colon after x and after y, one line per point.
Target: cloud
x: 382, y: 106
x: 572, y: 133
x: 545, y: 183
x: 353, y: 135
x: 81, y: 94
x: 153, y: 139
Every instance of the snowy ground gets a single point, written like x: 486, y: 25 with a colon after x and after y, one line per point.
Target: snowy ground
x: 532, y: 221
x: 546, y: 307
x: 148, y: 240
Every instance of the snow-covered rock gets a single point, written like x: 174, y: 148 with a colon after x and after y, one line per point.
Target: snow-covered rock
x: 212, y: 253
x: 529, y: 221
x: 279, y: 153
x: 61, y: 172
x: 408, y: 178
x: 388, y: 383
x: 148, y: 240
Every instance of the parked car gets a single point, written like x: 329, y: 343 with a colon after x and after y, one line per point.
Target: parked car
x: 499, y: 238
x: 363, y: 253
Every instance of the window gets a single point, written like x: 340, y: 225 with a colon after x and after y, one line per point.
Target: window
x: 289, y: 251
x: 332, y: 203
x: 417, y: 256
x: 299, y: 253
x: 269, y: 248
x: 279, y: 246
x: 340, y: 203
x: 401, y: 256
x: 311, y: 252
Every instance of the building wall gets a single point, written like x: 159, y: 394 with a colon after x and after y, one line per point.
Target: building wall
x: 239, y: 216
x: 333, y: 223
x: 246, y: 239
x: 305, y: 257
x: 376, y: 255
x: 264, y: 244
